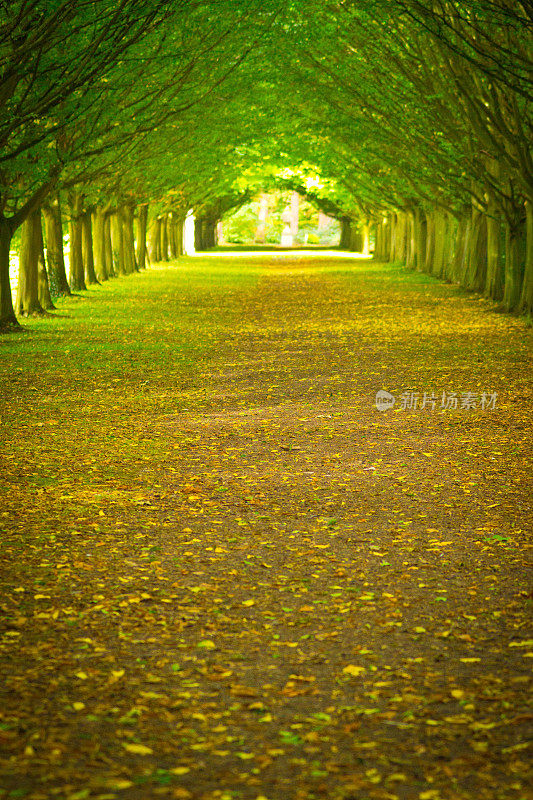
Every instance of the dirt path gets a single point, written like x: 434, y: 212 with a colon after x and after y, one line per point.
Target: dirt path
x: 227, y: 575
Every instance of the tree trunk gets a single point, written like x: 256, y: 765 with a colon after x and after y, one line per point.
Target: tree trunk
x: 77, y: 272
x: 439, y: 246
x: 494, y: 279
x: 526, y: 298
x: 419, y: 239
x: 88, y: 252
x: 53, y: 226
x: 141, y: 235
x: 430, y: 242
x: 181, y: 232
x: 154, y: 241
x: 172, y: 235
x: 108, y: 246
x: 117, y: 238
x: 42, y: 274
x: 163, y: 232
x: 410, y: 260
x: 210, y: 233
x: 28, y: 289
x: 461, y: 248
x: 100, y: 265
x: 346, y: 233
x: 386, y: 233
x: 513, y: 267
x: 8, y: 320
x: 476, y: 267
x: 356, y: 239
x: 128, y: 239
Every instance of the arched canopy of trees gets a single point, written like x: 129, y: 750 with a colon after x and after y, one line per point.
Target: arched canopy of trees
x: 116, y: 118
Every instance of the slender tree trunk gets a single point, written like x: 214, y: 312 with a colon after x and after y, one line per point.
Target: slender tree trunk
x: 141, y: 235
x: 163, y: 231
x: 28, y: 288
x: 172, y: 235
x: 126, y: 221
x: 494, y: 279
x: 410, y: 260
x: 439, y: 246
x: 365, y: 233
x: 100, y: 265
x: 461, y: 244
x: 477, y: 254
x: 154, y: 241
x: 88, y: 252
x: 77, y: 272
x: 42, y: 274
x: 117, y: 237
x: 430, y: 241
x: 513, y: 268
x: 8, y: 320
x: 108, y: 247
x: 526, y: 298
x: 393, y: 248
x: 53, y: 226
x: 419, y: 239
x: 387, y: 233
x: 198, y: 233
x: 179, y: 233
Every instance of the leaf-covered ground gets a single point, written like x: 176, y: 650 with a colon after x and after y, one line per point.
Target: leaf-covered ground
x: 227, y: 575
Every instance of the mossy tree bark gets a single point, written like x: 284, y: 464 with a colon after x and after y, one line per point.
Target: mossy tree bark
x: 117, y: 238
x: 163, y: 233
x: 526, y: 298
x: 125, y: 214
x: 28, y: 303
x: 513, y: 265
x: 8, y: 320
x: 99, y: 244
x: 87, y: 247
x: 45, y: 298
x: 154, y: 241
x: 142, y: 222
x: 77, y: 271
x: 495, y: 276
x: 53, y: 226
x: 346, y: 233
x: 108, y: 246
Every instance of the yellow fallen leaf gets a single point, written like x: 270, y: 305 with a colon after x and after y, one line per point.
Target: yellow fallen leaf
x: 138, y: 749
x: 116, y: 675
x: 180, y: 770
x: 248, y: 602
x: 245, y: 756
x: 353, y: 670
x: 469, y: 660
x: 81, y: 675
x: 78, y: 706
x: 457, y: 693
x: 118, y: 784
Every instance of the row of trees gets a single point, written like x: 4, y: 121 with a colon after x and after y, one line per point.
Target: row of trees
x: 424, y: 117
x: 117, y: 117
